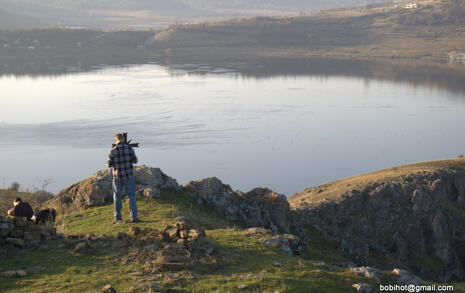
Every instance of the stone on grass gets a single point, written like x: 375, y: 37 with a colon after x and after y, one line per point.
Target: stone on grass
x: 5, y: 227
x: 361, y: 287
x: 16, y: 241
x: 259, y: 207
x: 96, y: 190
x: 291, y: 244
x: 108, y: 289
x: 9, y: 274
x: 21, y: 273
x: 404, y: 277
x: 80, y: 246
x: 257, y: 230
x: 367, y: 272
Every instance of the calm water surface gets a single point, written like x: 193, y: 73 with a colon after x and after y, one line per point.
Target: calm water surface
x: 285, y: 132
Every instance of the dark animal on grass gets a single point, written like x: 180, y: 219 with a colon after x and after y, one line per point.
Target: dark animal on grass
x: 44, y: 216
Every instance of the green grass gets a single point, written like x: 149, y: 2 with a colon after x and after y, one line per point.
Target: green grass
x: 154, y: 213
x: 241, y: 260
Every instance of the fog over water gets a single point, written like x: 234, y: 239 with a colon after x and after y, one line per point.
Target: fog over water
x: 286, y: 132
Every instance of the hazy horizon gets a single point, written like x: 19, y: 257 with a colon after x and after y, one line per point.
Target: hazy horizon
x: 146, y: 14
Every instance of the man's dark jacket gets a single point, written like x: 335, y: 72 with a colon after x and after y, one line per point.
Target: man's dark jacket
x: 23, y: 209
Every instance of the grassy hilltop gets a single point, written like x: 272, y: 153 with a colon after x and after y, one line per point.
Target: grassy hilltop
x: 333, y: 190
x: 241, y: 262
x: 430, y: 31
x: 240, y: 259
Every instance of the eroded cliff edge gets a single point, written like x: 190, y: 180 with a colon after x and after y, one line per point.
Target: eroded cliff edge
x: 410, y: 216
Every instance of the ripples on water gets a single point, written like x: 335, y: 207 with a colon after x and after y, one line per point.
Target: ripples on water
x: 249, y: 127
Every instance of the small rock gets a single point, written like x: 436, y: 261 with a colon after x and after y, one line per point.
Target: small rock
x: 181, y: 225
x: 361, y: 287
x: 181, y: 241
x: 257, y: 230
x: 346, y: 265
x: 291, y: 244
x: 134, y: 231
x: 16, y: 241
x: 405, y: 277
x: 5, y: 228
x: 21, y: 273
x: 108, y: 289
x: 80, y: 246
x: 183, y: 234
x: 193, y: 233
x: 9, y: 274
x: 150, y: 192
x: 241, y: 286
x: 319, y: 263
x: 367, y: 272
x: 278, y: 264
x: 172, y: 232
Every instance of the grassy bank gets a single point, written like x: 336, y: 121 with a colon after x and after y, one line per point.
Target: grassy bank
x: 241, y: 261
x: 333, y: 190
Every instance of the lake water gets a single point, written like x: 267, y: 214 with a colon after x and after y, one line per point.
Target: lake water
x: 283, y: 131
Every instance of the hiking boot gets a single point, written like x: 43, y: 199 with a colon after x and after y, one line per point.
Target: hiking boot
x: 116, y: 222
x: 136, y: 220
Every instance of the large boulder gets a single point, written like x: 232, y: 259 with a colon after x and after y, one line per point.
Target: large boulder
x: 416, y: 220
x: 258, y: 207
x: 6, y: 225
x: 97, y: 190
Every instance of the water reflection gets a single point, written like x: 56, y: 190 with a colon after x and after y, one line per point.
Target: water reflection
x: 286, y: 124
x: 411, y: 72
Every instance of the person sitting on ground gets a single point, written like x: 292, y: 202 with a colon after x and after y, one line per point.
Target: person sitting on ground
x: 43, y: 216
x: 21, y: 209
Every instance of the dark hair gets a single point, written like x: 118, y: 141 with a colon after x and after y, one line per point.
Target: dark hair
x: 18, y: 199
x: 119, y: 137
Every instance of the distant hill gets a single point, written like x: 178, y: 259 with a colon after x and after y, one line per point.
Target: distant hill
x: 141, y: 13
x: 432, y: 30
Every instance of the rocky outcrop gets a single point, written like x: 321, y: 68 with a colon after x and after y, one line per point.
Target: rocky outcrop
x: 258, y: 207
x: 97, y: 190
x: 404, y: 277
x: 417, y: 220
x: 291, y: 244
x: 367, y: 272
x: 178, y: 246
x: 18, y: 232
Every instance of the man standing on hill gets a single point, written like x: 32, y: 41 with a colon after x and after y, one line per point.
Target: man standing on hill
x: 121, y: 159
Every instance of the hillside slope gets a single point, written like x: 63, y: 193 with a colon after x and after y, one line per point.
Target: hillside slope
x: 430, y: 31
x: 125, y: 14
x: 409, y: 217
x: 335, y: 190
x: 239, y: 261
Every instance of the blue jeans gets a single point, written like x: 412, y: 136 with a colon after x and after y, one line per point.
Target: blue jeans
x: 130, y: 185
